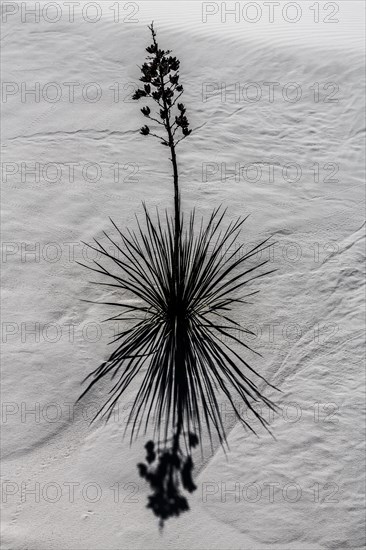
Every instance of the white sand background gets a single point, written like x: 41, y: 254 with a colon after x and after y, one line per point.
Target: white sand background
x: 304, y: 490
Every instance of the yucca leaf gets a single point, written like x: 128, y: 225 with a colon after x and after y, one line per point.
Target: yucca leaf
x: 179, y: 339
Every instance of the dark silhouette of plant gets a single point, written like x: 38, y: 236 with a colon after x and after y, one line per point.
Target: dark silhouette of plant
x: 160, y: 75
x: 184, y: 287
x: 172, y: 470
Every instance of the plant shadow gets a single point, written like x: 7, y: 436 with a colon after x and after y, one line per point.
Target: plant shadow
x: 168, y: 471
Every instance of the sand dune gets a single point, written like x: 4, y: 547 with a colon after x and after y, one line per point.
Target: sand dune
x: 302, y: 491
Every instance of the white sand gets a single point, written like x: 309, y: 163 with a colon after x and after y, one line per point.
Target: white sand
x: 318, y: 364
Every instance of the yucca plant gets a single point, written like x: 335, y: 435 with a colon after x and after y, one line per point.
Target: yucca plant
x: 184, y: 286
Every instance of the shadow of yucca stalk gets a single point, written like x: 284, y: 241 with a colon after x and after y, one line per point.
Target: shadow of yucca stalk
x: 184, y: 288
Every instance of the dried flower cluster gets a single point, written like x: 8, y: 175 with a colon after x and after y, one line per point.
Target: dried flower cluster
x: 160, y: 75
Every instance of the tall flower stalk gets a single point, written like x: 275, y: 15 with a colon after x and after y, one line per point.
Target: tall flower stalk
x: 160, y: 75
x: 184, y: 286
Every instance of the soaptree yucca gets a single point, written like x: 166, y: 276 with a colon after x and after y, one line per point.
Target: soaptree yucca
x: 184, y: 286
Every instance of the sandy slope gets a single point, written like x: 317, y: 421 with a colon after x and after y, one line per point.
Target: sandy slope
x: 313, y: 304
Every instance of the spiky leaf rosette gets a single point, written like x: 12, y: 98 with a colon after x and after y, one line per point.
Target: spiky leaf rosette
x: 178, y: 341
